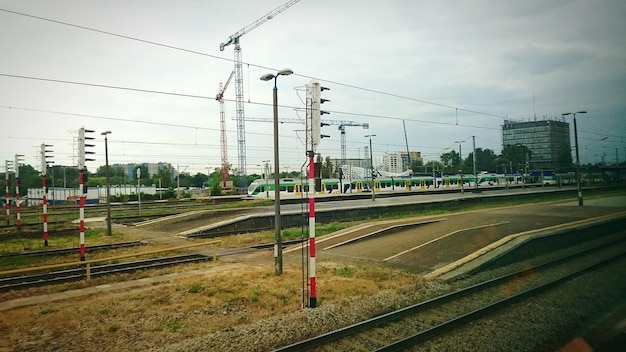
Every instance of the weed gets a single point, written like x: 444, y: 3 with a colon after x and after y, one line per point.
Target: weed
x: 113, y: 327
x: 45, y: 311
x: 174, y: 325
x: 196, y: 287
x: 104, y: 310
x: 345, y: 271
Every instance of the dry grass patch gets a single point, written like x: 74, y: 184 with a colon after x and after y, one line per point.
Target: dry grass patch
x: 171, y: 312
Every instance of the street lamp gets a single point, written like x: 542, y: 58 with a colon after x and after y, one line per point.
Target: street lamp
x: 278, y: 246
x: 106, y: 158
x: 460, y: 164
x: 372, y: 165
x: 267, y: 190
x: 580, y: 189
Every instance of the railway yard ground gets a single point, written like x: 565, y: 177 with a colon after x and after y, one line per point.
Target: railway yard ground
x: 373, y: 267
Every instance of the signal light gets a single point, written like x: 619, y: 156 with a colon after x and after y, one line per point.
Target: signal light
x: 314, y: 100
x: 82, y: 145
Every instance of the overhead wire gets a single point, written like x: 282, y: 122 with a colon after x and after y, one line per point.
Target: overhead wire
x: 173, y: 47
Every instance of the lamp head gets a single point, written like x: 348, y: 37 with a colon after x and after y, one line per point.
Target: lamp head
x: 105, y: 133
x: 285, y: 72
x: 267, y: 77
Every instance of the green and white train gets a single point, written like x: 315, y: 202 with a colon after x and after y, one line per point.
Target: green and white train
x: 292, y: 187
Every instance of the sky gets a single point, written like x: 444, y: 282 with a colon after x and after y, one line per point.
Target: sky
x: 149, y: 70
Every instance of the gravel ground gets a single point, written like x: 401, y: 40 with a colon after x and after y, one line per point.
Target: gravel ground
x: 543, y: 323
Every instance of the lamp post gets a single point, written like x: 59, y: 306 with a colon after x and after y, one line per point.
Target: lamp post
x: 460, y: 164
x: 278, y: 246
x: 580, y: 189
x: 267, y: 166
x: 372, y: 165
x: 106, y: 160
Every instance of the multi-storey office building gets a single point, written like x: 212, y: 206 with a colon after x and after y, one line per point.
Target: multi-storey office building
x: 547, y: 140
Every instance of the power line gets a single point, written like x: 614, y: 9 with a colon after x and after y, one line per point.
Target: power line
x: 249, y: 64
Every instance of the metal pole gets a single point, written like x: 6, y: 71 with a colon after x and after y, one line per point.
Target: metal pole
x: 139, y: 188
x: 580, y: 189
x: 278, y: 246
x: 460, y: 164
x: 474, y: 161
x: 312, y: 254
x: 106, y: 160
x: 81, y: 212
x: 7, y: 196
x: 44, y: 202
x: 372, y: 166
x: 17, y: 193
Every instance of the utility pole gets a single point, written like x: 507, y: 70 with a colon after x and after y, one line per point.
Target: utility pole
x: 474, y: 160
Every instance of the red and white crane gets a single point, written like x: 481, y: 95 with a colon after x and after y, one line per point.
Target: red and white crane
x: 220, y: 97
x: 241, y: 124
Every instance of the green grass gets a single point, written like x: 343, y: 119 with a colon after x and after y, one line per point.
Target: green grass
x: 15, y: 243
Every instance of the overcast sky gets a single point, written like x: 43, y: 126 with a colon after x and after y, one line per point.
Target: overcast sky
x: 450, y: 69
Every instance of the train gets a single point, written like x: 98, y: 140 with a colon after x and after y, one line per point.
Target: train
x: 292, y: 187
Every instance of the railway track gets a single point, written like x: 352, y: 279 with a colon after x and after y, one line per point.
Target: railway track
x: 65, y: 251
x: 408, y: 327
x: 80, y: 273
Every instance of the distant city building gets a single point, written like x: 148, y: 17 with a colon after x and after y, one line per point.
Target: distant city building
x: 547, y: 140
x: 130, y: 170
x: 398, y: 162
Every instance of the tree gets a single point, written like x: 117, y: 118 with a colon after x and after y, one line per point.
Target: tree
x: 63, y: 176
x: 515, y: 155
x: 199, y: 180
x: 29, y: 178
x: 163, y: 177
x: 416, y: 165
x: 186, y: 180
x: 451, y: 161
x: 564, y: 157
x: 433, y: 165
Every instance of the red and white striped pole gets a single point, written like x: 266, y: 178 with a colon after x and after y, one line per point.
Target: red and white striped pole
x: 45, y: 211
x: 17, y: 201
x: 7, y: 195
x: 81, y: 219
x: 18, y: 158
x: 312, y: 282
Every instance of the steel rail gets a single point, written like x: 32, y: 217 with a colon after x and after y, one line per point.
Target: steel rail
x: 64, y: 251
x: 55, y: 277
x: 480, y: 312
x: 360, y: 327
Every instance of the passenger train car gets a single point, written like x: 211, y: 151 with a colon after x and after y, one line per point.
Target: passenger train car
x: 298, y: 187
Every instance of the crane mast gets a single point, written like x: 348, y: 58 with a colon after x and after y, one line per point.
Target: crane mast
x: 241, y: 124
x: 223, y: 145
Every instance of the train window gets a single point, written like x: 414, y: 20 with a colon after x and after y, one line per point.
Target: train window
x: 289, y: 189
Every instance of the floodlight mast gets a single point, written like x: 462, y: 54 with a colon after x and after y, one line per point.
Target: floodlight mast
x: 239, y: 104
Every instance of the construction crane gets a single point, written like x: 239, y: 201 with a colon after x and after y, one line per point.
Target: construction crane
x: 342, y: 128
x: 220, y: 97
x: 241, y: 127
